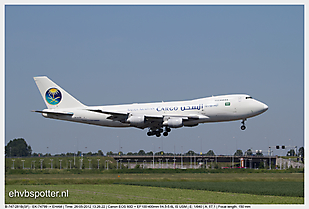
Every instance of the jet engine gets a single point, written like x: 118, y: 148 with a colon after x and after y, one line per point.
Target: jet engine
x: 136, y: 120
x: 174, y: 122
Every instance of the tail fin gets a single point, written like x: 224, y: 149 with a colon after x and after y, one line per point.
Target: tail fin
x: 54, y: 96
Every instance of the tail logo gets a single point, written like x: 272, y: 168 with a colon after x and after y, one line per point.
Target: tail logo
x: 53, y: 96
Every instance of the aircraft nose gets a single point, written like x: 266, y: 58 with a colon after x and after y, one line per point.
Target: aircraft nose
x: 265, y: 107
x: 259, y: 107
x: 262, y: 107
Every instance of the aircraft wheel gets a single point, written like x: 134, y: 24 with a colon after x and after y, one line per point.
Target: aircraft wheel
x: 243, y: 127
x: 149, y: 134
x: 165, y: 133
x: 158, y: 134
x: 168, y: 129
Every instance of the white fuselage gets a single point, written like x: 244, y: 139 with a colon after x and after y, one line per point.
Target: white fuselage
x: 210, y: 109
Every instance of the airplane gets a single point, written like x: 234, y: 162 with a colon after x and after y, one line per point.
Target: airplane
x: 158, y: 117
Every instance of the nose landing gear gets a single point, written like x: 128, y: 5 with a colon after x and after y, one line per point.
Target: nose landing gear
x: 243, y: 127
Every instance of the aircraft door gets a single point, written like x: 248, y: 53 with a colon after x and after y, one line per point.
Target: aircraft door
x: 203, y: 110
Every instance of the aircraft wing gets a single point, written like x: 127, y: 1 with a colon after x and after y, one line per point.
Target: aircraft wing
x: 150, y: 120
x: 124, y: 115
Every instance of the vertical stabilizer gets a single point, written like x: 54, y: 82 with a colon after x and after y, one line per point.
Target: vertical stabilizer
x: 54, y: 96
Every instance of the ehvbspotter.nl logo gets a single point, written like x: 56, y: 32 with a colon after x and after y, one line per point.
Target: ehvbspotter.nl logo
x: 38, y: 194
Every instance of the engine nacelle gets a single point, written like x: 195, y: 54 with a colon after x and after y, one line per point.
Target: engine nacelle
x: 174, y: 122
x: 136, y: 120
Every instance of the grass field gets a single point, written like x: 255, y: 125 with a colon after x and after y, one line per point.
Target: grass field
x: 109, y: 188
x: 289, y: 189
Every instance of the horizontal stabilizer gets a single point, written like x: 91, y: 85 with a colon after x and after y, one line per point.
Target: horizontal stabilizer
x: 54, y: 112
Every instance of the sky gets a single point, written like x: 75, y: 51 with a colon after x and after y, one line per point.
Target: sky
x: 105, y: 55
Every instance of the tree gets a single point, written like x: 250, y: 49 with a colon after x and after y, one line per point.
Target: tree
x: 238, y: 153
x: 150, y: 153
x: 100, y: 153
x: 291, y: 153
x: 210, y: 153
x: 18, y: 148
x: 89, y: 154
x: 141, y: 152
x: 37, y: 154
x: 191, y: 153
x: 248, y: 152
x: 158, y: 153
x: 301, y: 152
x: 110, y: 153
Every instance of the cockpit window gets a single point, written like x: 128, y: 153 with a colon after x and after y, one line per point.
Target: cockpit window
x: 248, y: 97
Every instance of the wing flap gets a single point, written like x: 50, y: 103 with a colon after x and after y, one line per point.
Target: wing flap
x: 109, y: 112
x: 118, y: 116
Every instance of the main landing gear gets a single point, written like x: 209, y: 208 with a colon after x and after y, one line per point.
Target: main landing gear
x: 158, y: 132
x: 167, y: 130
x: 243, y: 127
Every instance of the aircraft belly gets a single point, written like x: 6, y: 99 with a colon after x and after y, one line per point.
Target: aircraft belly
x: 222, y: 116
x: 95, y: 119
